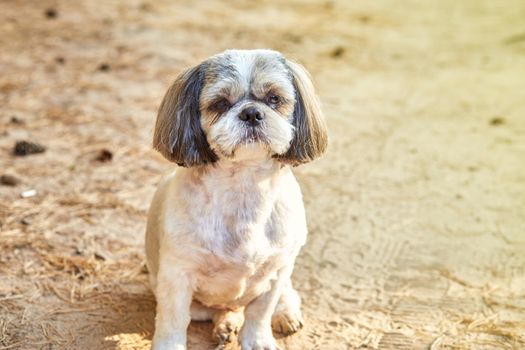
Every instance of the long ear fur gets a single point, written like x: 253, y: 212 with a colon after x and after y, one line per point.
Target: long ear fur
x: 311, y: 137
x: 178, y: 133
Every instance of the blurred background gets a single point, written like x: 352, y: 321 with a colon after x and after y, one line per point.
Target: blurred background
x: 416, y: 213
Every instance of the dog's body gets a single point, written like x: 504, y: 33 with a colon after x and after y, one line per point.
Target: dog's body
x: 233, y: 227
x: 223, y: 232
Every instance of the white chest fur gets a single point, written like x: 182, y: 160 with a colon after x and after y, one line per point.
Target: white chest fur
x: 232, y: 227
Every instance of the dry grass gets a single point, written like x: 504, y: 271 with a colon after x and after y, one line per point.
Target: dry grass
x: 415, y: 214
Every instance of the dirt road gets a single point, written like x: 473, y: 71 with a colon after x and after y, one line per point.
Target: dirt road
x: 416, y: 214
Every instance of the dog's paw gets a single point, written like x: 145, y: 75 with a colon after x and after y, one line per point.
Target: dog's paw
x: 264, y: 343
x: 225, y: 332
x: 287, y: 322
x: 166, y: 344
x: 227, y: 326
x: 257, y: 339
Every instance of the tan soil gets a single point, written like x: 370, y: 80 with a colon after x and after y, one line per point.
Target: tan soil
x: 416, y: 214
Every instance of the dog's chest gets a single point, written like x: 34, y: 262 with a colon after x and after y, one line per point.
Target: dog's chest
x: 231, y: 282
x: 236, y: 218
x: 240, y: 263
x: 241, y: 257
x: 239, y: 229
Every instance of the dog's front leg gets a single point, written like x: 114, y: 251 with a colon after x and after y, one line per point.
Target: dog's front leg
x: 174, y: 296
x: 256, y: 333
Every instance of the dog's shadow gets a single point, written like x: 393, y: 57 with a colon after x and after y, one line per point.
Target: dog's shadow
x: 125, y: 320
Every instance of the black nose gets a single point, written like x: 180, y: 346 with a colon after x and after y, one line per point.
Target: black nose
x: 251, y: 115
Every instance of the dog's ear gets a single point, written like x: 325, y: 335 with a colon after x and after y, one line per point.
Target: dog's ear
x: 311, y: 137
x: 178, y: 134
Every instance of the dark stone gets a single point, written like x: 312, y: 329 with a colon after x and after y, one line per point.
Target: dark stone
x: 337, y: 52
x: 497, y: 121
x: 24, y: 148
x: 9, y: 180
x: 15, y: 120
x: 104, y: 67
x: 51, y: 13
x: 104, y: 155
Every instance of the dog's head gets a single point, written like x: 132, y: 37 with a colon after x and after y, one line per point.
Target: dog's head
x: 241, y: 103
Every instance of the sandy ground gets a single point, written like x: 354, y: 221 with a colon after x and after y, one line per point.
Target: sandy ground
x: 416, y: 214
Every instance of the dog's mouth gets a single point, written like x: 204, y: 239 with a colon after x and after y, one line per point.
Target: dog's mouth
x: 254, y: 135
x: 248, y: 139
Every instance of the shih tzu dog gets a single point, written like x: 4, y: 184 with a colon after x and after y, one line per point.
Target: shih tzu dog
x: 224, y: 230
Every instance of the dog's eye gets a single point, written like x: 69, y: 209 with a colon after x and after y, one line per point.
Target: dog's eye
x: 221, y: 106
x: 273, y: 100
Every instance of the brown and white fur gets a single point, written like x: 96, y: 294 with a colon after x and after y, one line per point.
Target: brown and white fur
x: 224, y: 230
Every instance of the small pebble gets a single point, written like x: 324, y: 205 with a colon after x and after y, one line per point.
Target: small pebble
x: 104, y: 155
x: 337, y: 52
x: 51, y: 13
x: 497, y: 121
x: 99, y: 256
x: 26, y: 221
x: 60, y: 60
x: 104, y: 67
x: 9, y: 180
x: 15, y: 120
x: 28, y: 193
x: 24, y: 148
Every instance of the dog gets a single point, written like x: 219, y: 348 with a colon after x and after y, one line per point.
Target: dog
x: 225, y: 227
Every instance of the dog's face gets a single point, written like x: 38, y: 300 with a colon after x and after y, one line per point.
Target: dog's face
x: 238, y: 103
x: 247, y: 102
